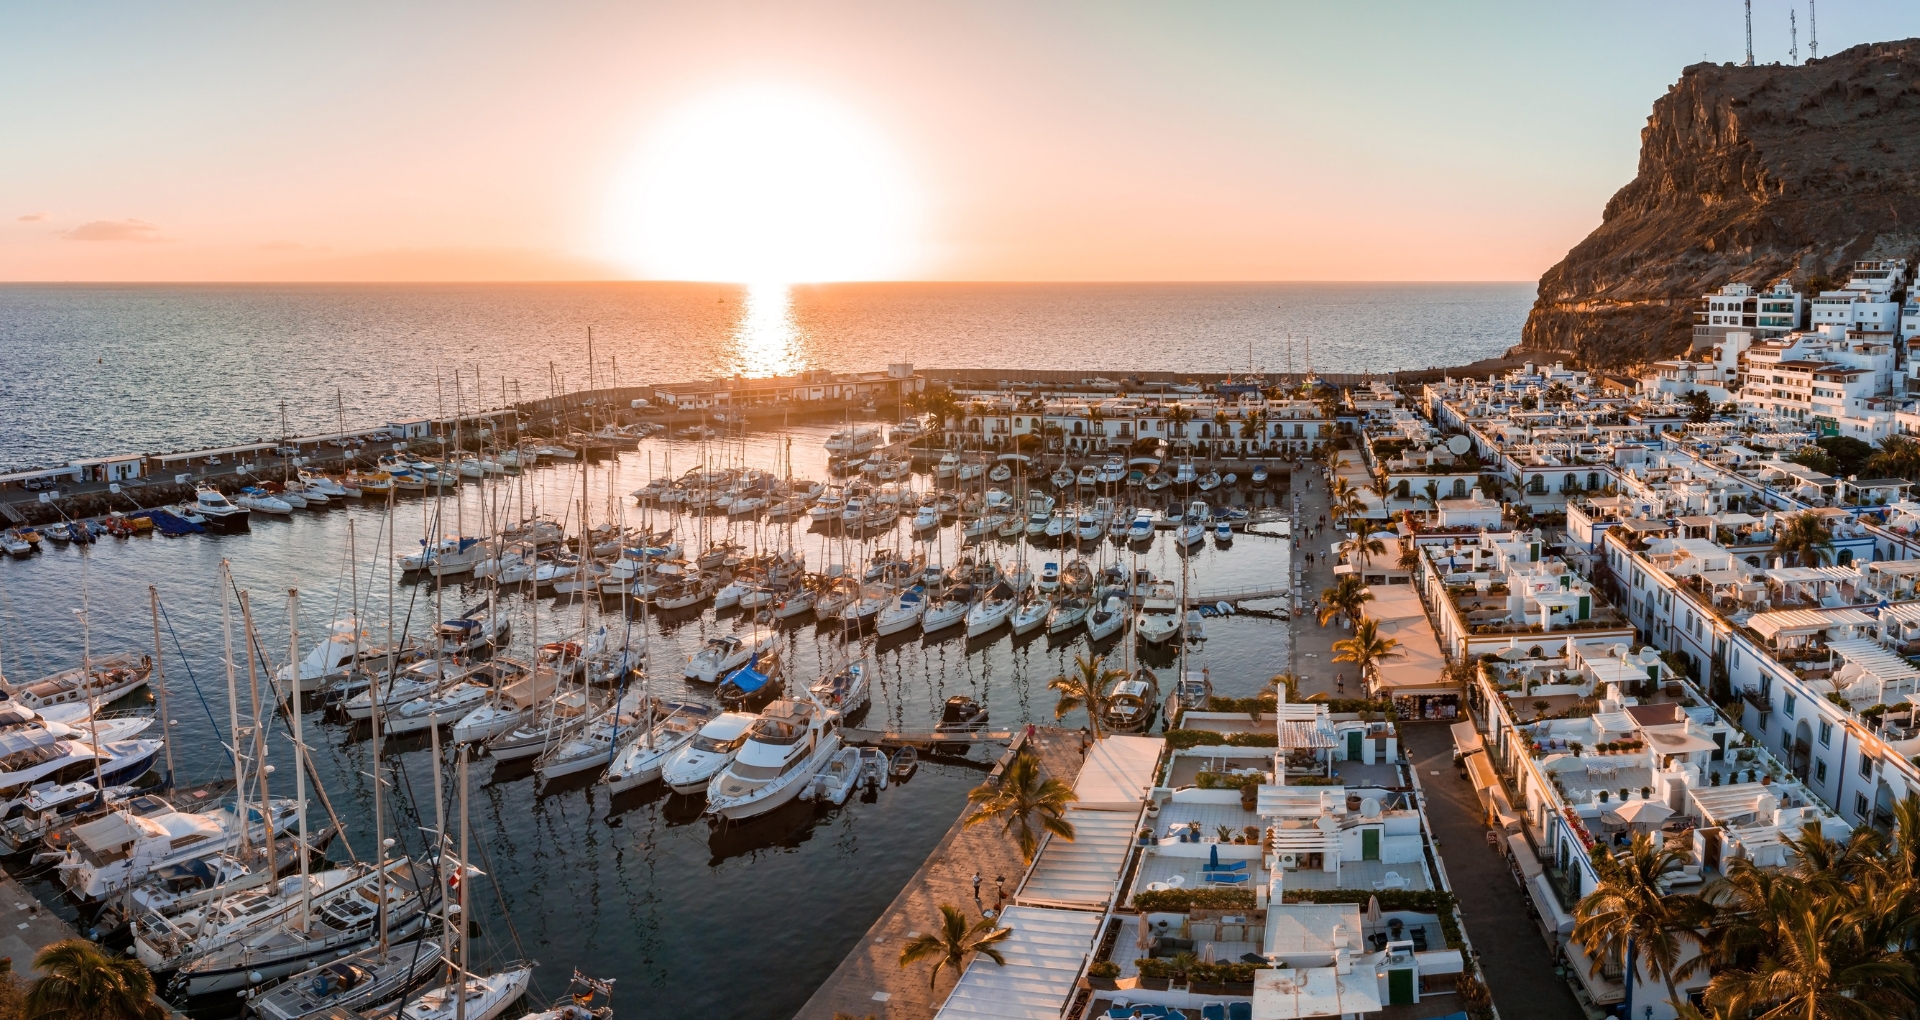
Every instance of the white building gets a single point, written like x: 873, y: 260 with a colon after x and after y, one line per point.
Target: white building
x: 1737, y: 306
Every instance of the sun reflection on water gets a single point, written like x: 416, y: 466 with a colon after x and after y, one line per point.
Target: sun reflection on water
x: 766, y: 340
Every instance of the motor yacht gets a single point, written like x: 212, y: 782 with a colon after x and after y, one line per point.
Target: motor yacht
x: 101, y: 681
x: 854, y: 440
x: 1088, y: 477
x: 1259, y: 476
x: 1159, y: 617
x: 111, y: 853
x: 787, y: 745
x: 1193, y: 527
x: 446, y: 557
x: 219, y: 513
x: 724, y: 654
x: 962, y: 714
x: 1141, y: 529
x: 690, y: 769
x: 257, y: 499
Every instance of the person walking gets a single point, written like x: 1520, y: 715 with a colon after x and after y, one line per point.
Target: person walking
x: 976, y: 889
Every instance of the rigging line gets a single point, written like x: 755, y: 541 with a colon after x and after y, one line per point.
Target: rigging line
x: 518, y: 949
x: 198, y: 693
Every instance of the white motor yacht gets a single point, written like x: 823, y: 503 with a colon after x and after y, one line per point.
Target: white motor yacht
x: 788, y: 744
x: 260, y: 500
x: 691, y: 768
x: 724, y: 654
x: 1142, y: 527
x: 217, y: 512
x: 1049, y: 576
x: 449, y: 556
x: 106, y: 679
x: 1159, y: 617
x: 113, y: 852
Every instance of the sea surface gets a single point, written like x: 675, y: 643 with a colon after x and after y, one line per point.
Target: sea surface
x: 98, y: 370
x: 692, y: 921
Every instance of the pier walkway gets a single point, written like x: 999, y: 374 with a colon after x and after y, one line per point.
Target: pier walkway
x: 870, y: 980
x: 29, y: 928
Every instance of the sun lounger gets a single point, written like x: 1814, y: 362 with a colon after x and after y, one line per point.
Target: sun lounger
x: 1239, y: 1011
x: 1213, y: 1011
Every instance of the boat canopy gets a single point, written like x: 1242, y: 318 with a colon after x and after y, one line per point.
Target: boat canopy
x: 747, y: 678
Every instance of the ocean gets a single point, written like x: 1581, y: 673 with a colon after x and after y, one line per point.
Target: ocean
x: 97, y: 370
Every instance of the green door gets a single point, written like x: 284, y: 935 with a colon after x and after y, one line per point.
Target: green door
x: 1369, y: 844
x: 1399, y: 988
x: 1353, y: 745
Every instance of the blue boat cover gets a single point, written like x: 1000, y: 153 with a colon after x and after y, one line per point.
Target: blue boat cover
x: 748, y: 679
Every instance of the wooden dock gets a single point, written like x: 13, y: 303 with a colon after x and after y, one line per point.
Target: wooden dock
x: 922, y: 738
x: 870, y: 980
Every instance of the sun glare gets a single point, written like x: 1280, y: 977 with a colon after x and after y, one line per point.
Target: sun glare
x: 765, y: 185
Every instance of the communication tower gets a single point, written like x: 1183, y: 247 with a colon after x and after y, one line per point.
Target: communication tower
x: 1813, y: 34
x: 1749, y: 62
x: 1793, y: 32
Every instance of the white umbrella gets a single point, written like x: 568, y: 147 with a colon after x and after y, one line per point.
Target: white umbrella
x: 1643, y: 812
x: 1373, y: 910
x: 1206, y: 954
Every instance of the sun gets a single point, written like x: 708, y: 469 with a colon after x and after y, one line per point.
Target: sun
x: 765, y: 184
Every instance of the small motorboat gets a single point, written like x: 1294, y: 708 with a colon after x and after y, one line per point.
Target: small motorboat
x: 1049, y: 576
x: 962, y: 715
x: 905, y: 762
x: 1259, y: 478
x: 1223, y: 533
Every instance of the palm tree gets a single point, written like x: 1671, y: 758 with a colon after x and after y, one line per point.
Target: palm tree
x: 1828, y: 957
x: 1626, y: 916
x: 1366, y: 648
x: 1898, y: 457
x: 1343, y: 499
x: 1360, y: 548
x: 1804, y: 538
x: 1180, y: 415
x: 1026, y: 802
x: 1088, y: 687
x: 1382, y: 486
x: 82, y: 982
x: 1346, y: 596
x: 954, y: 942
x: 1431, y: 497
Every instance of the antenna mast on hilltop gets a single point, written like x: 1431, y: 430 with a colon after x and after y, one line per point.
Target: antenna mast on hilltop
x: 1813, y: 34
x: 1749, y: 62
x: 1793, y: 33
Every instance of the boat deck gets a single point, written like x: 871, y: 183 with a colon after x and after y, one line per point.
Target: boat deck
x: 870, y: 979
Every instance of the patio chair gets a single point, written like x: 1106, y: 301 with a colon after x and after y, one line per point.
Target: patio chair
x: 1226, y: 866
x: 1239, y: 1011
x: 1219, y: 878
x: 1213, y: 1011
x: 1119, y: 1012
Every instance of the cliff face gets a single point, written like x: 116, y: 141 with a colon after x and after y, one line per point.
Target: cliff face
x: 1747, y: 174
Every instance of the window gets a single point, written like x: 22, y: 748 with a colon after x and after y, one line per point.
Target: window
x: 1788, y: 706
x: 1459, y: 488
x: 1860, y: 805
x: 1826, y: 733
x: 1820, y: 772
x: 1866, y: 765
x: 1786, y: 740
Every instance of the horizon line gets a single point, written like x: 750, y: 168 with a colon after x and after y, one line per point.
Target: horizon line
x: 729, y: 283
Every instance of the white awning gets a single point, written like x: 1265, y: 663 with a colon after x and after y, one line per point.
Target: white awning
x: 1118, y: 773
x: 1043, y: 955
x: 1082, y: 873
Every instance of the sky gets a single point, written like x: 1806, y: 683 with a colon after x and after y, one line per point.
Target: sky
x: 779, y: 141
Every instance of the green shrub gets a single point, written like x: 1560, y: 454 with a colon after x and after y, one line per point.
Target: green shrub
x: 1222, y: 781
x: 1315, y: 781
x: 1264, y: 703
x: 1183, y: 739
x: 1175, y: 901
x: 1104, y: 969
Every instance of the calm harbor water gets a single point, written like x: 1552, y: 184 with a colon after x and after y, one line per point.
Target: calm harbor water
x: 94, y: 370
x: 692, y: 921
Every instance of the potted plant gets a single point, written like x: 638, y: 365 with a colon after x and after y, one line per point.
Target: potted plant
x: 1104, y: 975
x: 1155, y: 974
x: 1205, y: 979
x: 1146, y: 836
x: 1181, y: 968
x: 1238, y: 978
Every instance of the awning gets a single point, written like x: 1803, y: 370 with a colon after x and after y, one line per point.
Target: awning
x: 1117, y: 773
x: 1548, y: 904
x: 1466, y: 739
x: 1481, y: 772
x: 1524, y: 856
x: 1083, y: 872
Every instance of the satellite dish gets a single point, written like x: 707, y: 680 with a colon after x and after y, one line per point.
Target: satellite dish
x: 1370, y: 808
x: 1459, y: 445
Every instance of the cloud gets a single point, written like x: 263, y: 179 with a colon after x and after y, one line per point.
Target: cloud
x: 36, y: 217
x: 115, y: 230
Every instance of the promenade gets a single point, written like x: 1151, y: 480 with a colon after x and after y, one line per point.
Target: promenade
x: 870, y: 979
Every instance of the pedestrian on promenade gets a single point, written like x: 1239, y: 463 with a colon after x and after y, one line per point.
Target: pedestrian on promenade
x: 976, y: 889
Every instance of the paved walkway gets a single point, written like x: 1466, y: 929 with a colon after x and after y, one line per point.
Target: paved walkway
x: 870, y: 980
x: 29, y: 927
x: 1518, y: 966
x: 1312, y: 643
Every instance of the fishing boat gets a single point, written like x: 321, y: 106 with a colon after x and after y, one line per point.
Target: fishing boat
x: 787, y: 745
x: 1132, y: 704
x: 962, y: 714
x: 691, y: 768
x: 644, y: 749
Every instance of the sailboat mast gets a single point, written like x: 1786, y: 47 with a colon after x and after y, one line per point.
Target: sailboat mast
x: 159, y: 684
x: 299, y: 757
x: 259, y: 729
x: 233, y: 707
x: 466, y: 926
x: 86, y: 677
x: 379, y: 816
x: 440, y: 853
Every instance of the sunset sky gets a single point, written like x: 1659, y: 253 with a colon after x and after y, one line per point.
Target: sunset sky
x: 823, y: 140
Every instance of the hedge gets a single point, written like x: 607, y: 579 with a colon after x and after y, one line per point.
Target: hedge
x: 1425, y: 901
x: 1175, y: 901
x: 1182, y: 739
x: 1263, y: 703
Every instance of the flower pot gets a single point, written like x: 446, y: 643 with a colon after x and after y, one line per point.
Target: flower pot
x: 1156, y: 984
x: 1103, y: 984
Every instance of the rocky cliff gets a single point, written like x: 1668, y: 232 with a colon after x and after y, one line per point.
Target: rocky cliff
x: 1747, y: 174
